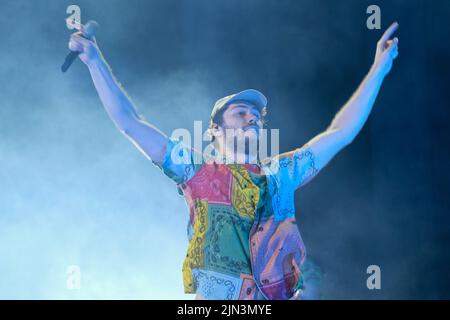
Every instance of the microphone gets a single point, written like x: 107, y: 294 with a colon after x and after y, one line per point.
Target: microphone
x: 87, y: 32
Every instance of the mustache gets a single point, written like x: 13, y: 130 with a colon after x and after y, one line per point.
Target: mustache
x: 252, y: 126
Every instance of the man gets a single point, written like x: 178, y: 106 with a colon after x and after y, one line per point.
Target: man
x: 244, y: 242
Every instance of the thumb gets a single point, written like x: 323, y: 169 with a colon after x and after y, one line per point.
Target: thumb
x: 392, y: 44
x: 393, y: 48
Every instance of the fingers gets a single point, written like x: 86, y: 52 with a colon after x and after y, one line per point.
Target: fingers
x: 394, y: 42
x: 77, y: 38
x: 388, y: 33
x: 391, y: 43
x: 73, y: 46
x: 78, y: 43
x: 393, y: 47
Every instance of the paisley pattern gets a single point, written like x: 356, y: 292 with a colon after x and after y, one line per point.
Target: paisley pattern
x: 194, y: 257
x: 228, y: 241
x: 243, y: 239
x: 245, y: 194
x: 178, y: 163
x: 217, y: 286
x: 212, y: 182
x: 293, y: 172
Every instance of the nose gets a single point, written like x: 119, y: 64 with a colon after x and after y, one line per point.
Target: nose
x: 252, y: 118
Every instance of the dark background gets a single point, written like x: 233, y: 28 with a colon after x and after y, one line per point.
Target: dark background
x: 382, y: 200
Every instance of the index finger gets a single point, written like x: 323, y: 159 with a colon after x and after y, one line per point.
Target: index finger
x: 388, y: 33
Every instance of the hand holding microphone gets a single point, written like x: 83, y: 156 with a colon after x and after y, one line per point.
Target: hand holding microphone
x: 82, y: 43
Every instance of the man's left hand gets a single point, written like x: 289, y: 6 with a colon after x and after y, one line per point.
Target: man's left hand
x: 387, y: 50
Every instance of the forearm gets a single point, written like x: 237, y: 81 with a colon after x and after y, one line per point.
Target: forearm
x: 114, y: 98
x: 351, y: 118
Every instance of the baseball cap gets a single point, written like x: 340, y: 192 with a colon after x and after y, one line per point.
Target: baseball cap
x: 251, y: 95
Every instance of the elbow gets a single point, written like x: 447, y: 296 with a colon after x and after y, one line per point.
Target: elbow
x: 346, y: 137
x: 125, y: 128
x: 128, y: 124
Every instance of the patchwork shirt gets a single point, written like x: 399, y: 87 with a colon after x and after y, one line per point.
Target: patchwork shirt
x: 244, y: 242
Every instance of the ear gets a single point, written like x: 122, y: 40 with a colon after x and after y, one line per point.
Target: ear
x: 214, y: 130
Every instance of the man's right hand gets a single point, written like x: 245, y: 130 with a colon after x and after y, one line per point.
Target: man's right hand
x: 89, y: 51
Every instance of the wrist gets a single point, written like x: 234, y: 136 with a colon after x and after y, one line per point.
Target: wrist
x: 95, y: 64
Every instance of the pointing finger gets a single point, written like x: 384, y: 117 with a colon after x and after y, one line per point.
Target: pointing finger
x: 388, y: 33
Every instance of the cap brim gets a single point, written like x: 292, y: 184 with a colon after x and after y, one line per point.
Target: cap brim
x: 251, y: 95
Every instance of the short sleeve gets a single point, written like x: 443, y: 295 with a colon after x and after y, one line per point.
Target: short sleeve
x: 298, y: 167
x: 179, y: 161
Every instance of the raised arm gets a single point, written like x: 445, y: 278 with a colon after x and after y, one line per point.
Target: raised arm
x: 350, y: 119
x: 147, y: 138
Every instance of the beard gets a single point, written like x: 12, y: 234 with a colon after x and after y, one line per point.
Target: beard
x: 245, y: 147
